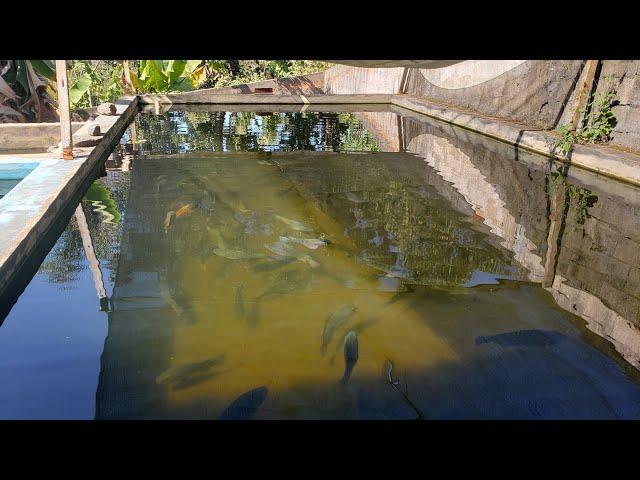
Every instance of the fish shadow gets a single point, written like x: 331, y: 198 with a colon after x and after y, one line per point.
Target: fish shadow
x: 246, y: 405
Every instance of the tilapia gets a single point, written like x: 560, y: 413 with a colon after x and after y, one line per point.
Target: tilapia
x: 167, y: 220
x: 296, y: 225
x: 355, y: 197
x: 272, y: 264
x: 232, y: 254
x: 246, y: 405
x: 181, y: 372
x: 178, y: 301
x: 350, y: 354
x: 335, y: 321
x: 310, y: 243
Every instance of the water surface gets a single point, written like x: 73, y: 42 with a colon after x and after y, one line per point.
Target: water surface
x: 237, y: 250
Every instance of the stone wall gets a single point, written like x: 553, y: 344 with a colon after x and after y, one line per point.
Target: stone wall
x: 625, y: 76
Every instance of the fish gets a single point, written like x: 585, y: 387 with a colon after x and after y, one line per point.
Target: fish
x: 522, y: 338
x: 310, y: 243
x: 246, y: 405
x: 184, y: 210
x: 272, y: 264
x: 181, y: 372
x: 167, y: 220
x: 285, y: 282
x: 308, y: 260
x: 355, y: 197
x: 282, y: 249
x: 178, y: 301
x: 350, y: 354
x: 239, y: 301
x: 232, y: 254
x: 395, y: 271
x: 299, y: 226
x: 336, y: 320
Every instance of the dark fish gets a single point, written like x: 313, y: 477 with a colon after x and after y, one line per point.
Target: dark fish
x: 336, y: 320
x: 239, y: 301
x: 181, y: 372
x: 522, y: 338
x: 246, y: 405
x: 350, y: 354
x: 286, y: 282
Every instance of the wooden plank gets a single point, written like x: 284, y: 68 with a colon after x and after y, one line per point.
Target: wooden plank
x: 64, y: 110
x: 245, y: 98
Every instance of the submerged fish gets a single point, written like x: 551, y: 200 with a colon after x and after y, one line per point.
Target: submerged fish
x: 286, y: 282
x: 167, y: 220
x: 522, y: 338
x: 184, y: 210
x: 299, y: 226
x: 310, y: 243
x: 232, y: 254
x: 178, y: 301
x: 181, y: 372
x: 395, y: 271
x: 350, y: 354
x: 355, y: 197
x: 336, y: 320
x: 282, y: 249
x: 272, y: 264
x: 246, y: 405
x: 239, y: 301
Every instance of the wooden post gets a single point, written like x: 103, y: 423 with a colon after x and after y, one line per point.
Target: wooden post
x: 63, y: 107
x: 584, y: 92
x: 94, y: 264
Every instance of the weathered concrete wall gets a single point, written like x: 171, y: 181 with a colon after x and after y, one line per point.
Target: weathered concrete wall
x: 625, y: 76
x: 31, y: 136
x: 349, y: 80
x: 532, y: 92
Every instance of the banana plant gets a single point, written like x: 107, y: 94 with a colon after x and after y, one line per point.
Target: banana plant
x: 162, y: 76
x: 27, y: 91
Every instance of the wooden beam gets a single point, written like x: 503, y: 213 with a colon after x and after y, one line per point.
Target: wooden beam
x: 584, y: 92
x: 64, y: 110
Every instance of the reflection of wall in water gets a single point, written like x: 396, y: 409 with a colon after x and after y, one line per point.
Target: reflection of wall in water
x: 441, y: 244
x: 598, y: 269
x: 140, y: 335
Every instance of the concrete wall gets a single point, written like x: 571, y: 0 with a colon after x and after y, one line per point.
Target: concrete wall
x: 532, y: 92
x: 626, y: 81
x: 31, y: 136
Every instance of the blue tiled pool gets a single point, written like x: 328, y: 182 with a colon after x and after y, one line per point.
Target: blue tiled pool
x: 12, y: 173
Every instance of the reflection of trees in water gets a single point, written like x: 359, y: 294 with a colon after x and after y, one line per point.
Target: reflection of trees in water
x: 67, y: 259
x: 178, y: 132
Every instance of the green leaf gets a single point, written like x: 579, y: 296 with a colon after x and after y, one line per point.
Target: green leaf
x: 79, y: 88
x: 45, y: 68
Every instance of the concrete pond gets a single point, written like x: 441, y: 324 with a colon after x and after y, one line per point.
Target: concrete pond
x: 316, y: 257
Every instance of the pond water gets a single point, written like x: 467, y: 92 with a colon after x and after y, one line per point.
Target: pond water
x: 331, y: 265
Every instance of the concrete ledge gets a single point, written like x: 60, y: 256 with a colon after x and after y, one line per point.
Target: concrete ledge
x: 31, y: 136
x: 33, y: 206
x: 199, y: 96
x: 596, y: 158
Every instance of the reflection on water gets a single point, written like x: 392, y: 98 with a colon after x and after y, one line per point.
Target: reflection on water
x: 283, y: 266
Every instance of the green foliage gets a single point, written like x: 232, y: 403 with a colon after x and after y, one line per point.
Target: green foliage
x: 567, y: 138
x: 602, y: 120
x: 599, y: 122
